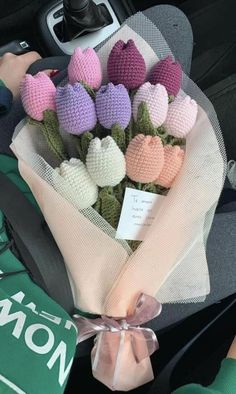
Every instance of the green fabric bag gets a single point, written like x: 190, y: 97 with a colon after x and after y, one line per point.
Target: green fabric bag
x: 37, y: 337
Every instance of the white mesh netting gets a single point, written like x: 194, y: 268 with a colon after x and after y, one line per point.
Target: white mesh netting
x: 170, y: 263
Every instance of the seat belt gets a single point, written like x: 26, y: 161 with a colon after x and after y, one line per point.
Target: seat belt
x: 35, y: 244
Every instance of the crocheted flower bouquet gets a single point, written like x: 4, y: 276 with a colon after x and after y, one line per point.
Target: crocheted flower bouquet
x: 123, y: 121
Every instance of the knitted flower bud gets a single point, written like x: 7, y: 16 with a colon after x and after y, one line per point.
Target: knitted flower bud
x: 144, y: 158
x: 85, y: 67
x: 173, y: 161
x: 126, y: 65
x: 105, y: 162
x: 113, y: 106
x: 156, y: 98
x: 167, y: 73
x: 75, y: 109
x: 38, y: 95
x: 79, y: 187
x: 181, y: 117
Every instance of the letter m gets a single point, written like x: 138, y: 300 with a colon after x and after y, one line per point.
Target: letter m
x: 60, y: 353
x: 6, y: 317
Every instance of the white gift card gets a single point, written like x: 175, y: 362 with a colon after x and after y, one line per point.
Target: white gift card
x: 138, y: 212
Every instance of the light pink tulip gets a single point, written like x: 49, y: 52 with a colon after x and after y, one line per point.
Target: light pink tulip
x: 181, y: 117
x: 85, y: 67
x: 156, y: 98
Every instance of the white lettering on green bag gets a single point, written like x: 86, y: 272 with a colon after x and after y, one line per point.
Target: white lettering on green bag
x: 20, y: 319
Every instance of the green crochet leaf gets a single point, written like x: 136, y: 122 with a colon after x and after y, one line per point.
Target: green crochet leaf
x: 130, y: 132
x: 171, y: 99
x: 144, y: 124
x: 89, y: 90
x: 118, y: 135
x: 86, y: 138
x: 50, y: 130
x: 134, y: 244
x: 149, y: 187
x: 110, y: 207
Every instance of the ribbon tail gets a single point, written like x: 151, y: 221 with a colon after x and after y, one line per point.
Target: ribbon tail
x: 115, y: 364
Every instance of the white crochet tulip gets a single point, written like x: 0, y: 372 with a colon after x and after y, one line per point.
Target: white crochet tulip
x: 156, y: 99
x: 78, y: 187
x: 105, y: 162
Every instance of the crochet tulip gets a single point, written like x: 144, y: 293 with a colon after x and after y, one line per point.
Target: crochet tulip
x: 38, y: 95
x: 181, y: 117
x: 85, y: 67
x: 126, y: 65
x: 75, y: 109
x: 173, y: 161
x: 156, y: 99
x: 78, y: 186
x: 113, y: 106
x: 144, y: 158
x: 167, y: 73
x: 105, y: 162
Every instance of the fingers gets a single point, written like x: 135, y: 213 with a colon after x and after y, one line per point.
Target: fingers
x: 29, y: 58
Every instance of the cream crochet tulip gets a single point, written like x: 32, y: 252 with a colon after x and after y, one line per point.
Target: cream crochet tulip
x: 156, y: 98
x: 77, y: 187
x: 105, y: 162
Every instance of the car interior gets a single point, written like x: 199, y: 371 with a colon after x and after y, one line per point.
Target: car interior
x: 192, y: 349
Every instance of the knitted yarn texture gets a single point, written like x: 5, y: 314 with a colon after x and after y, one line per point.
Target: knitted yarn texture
x: 38, y: 95
x: 167, y: 73
x: 113, y: 106
x: 173, y: 161
x: 78, y: 186
x: 144, y: 158
x: 75, y: 109
x: 181, y: 117
x: 126, y: 65
x: 85, y: 67
x: 105, y: 162
x: 156, y: 98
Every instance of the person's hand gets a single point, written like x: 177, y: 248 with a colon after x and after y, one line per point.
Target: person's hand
x: 232, y: 350
x: 13, y: 69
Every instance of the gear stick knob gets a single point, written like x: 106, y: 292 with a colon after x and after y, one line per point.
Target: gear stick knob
x: 83, y: 16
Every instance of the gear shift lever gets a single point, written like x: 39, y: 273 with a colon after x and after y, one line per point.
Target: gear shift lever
x: 83, y: 16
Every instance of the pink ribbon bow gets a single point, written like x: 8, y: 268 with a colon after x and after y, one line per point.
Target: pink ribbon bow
x: 121, y: 343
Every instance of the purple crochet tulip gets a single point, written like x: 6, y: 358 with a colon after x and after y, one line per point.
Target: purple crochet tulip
x: 113, y: 106
x: 167, y: 73
x: 75, y: 109
x: 126, y: 65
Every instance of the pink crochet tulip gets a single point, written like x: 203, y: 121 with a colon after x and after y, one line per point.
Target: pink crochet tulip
x: 167, y: 73
x: 85, y: 67
x: 144, y: 158
x: 156, y: 98
x: 181, y: 117
x: 174, y: 158
x: 38, y: 94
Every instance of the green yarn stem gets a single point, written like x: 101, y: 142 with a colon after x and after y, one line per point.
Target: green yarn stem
x: 50, y: 130
x: 129, y: 132
x: 86, y: 138
x: 118, y: 136
x: 89, y: 90
x: 171, y: 99
x: 176, y: 141
x: 110, y: 208
x: 144, y: 124
x: 150, y: 187
x: 134, y: 244
x: 82, y: 145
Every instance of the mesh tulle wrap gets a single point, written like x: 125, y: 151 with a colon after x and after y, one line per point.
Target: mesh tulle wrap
x: 170, y: 264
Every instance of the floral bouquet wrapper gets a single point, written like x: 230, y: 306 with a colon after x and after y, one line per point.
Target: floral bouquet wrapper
x: 128, y: 118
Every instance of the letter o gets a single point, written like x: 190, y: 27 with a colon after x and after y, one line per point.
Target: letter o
x: 31, y: 330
